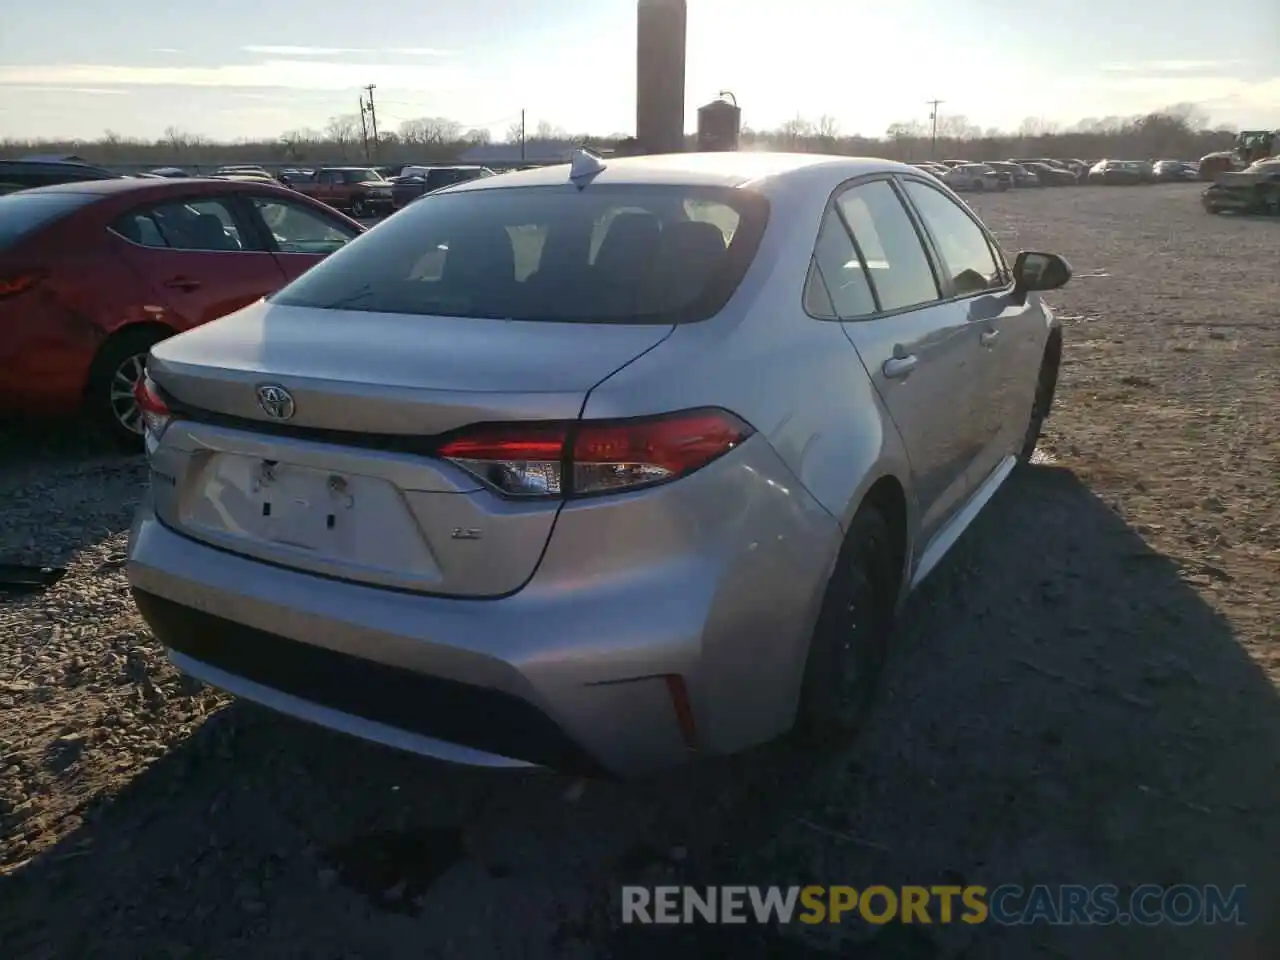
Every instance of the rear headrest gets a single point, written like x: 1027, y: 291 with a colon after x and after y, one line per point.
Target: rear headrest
x: 480, y: 253
x: 207, y: 231
x: 688, y: 259
x: 629, y: 242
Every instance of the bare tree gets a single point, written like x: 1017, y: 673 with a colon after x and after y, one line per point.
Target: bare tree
x: 477, y: 136
x: 548, y: 132
x: 827, y: 128
x: 515, y: 130
x: 176, y: 140
x: 341, y: 131
x: 1181, y: 131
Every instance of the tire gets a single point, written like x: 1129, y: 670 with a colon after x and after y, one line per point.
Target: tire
x: 851, y: 638
x: 979, y: 185
x: 358, y: 208
x: 1040, y: 407
x: 108, y: 398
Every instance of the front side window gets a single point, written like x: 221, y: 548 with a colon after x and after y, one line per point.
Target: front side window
x: 297, y: 229
x: 607, y: 254
x: 895, y: 259
x: 966, y: 254
x: 205, y: 225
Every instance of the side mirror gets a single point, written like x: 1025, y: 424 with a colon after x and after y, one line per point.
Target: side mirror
x: 1039, y: 271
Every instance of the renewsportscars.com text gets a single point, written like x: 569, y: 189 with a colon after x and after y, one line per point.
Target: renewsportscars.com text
x: 1006, y: 905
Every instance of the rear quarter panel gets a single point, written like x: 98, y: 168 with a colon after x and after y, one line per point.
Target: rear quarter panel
x: 797, y: 380
x: 89, y: 295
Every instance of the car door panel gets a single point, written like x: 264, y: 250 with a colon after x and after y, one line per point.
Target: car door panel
x: 196, y: 284
x: 925, y: 402
x: 917, y: 350
x: 979, y: 280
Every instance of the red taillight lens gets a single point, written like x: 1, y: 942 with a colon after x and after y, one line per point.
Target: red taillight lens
x: 155, y: 412
x: 13, y: 284
x: 591, y: 457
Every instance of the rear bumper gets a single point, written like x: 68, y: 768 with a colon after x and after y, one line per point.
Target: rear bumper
x: 571, y: 672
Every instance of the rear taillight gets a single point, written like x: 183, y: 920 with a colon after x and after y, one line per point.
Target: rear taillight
x: 15, y: 283
x: 155, y: 412
x: 590, y: 457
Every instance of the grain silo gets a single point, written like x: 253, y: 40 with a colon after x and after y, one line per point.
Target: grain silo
x: 660, y: 56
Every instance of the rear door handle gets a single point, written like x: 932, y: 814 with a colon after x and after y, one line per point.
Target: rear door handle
x: 182, y: 283
x: 895, y: 368
x: 988, y: 337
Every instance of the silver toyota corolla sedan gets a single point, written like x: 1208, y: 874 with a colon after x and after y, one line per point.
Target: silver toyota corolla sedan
x: 596, y: 467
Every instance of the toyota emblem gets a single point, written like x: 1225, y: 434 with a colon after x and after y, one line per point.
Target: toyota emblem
x: 276, y: 402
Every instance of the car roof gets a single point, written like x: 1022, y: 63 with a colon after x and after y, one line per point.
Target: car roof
x: 107, y: 188
x: 726, y: 169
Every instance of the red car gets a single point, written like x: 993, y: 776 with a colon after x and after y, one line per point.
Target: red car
x: 93, y: 274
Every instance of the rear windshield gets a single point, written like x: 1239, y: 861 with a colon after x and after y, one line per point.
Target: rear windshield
x: 21, y: 213
x: 605, y: 254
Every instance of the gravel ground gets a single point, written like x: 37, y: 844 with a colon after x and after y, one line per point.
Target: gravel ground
x: 1084, y: 692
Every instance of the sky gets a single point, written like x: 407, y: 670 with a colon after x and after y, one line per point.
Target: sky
x: 248, y: 69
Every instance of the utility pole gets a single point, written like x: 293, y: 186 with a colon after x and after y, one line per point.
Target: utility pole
x: 373, y: 117
x: 933, y: 116
x: 364, y: 130
x: 522, y: 133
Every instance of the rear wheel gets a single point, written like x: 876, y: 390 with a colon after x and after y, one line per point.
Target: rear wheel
x: 109, y: 401
x: 850, y: 641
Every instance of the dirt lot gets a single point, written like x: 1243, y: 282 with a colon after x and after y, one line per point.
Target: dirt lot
x: 1084, y: 692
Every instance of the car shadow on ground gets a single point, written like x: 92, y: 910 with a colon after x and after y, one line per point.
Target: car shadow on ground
x: 1063, y: 707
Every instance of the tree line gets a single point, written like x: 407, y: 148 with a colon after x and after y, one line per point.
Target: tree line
x: 1179, y: 132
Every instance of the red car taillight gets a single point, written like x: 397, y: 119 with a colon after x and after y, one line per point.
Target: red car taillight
x: 155, y: 412
x: 593, y: 456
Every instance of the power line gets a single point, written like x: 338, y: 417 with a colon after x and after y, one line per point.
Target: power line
x: 933, y: 116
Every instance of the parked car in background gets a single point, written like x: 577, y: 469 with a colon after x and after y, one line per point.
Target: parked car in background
x: 416, y: 181
x: 248, y: 176
x: 169, y: 172
x: 292, y: 176
x: 92, y: 274
x: 25, y: 174
x: 935, y: 169
x: 973, y: 176
x: 1122, y: 172
x: 1050, y: 175
x: 242, y: 168
x: 1019, y: 176
x: 511, y: 479
x: 359, y: 191
x: 1221, y: 161
x: 1255, y: 190
x: 1170, y: 171
x: 1079, y: 169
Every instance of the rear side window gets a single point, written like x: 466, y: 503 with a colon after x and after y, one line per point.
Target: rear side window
x: 605, y: 254
x: 197, y: 224
x: 837, y: 273
x: 24, y: 213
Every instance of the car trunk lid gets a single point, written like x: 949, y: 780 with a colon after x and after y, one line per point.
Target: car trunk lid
x: 347, y: 485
